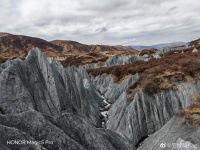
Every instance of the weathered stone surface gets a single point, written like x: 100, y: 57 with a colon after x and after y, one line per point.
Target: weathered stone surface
x: 146, y: 114
x: 174, y: 135
x: 110, y: 89
x: 40, y: 100
x: 116, y: 60
x: 168, y: 49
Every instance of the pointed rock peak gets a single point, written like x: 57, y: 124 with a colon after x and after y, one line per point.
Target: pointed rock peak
x: 194, y: 50
x: 83, y: 72
x: 35, y: 52
x: 54, y: 62
x: 10, y: 62
x: 72, y: 68
x: 51, y: 60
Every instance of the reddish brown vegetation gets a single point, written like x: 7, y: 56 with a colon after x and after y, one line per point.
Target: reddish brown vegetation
x: 13, y: 46
x: 147, y: 52
x: 157, y: 74
x: 192, y: 113
x: 2, y: 60
x: 81, y: 60
x: 195, y: 43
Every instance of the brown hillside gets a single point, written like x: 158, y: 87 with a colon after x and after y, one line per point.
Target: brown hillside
x: 12, y: 46
x: 72, y: 47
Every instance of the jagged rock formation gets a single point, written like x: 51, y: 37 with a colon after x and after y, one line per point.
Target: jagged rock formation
x: 122, y: 60
x: 110, y: 89
x: 168, y: 49
x: 40, y: 100
x: 164, y: 87
x: 145, y: 114
x: 116, y: 60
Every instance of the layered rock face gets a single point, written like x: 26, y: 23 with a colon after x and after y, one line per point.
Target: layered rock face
x: 41, y: 101
x: 110, y: 89
x: 146, y: 114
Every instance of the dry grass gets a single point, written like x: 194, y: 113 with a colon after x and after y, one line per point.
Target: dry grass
x: 147, y: 52
x: 191, y: 114
x: 157, y: 74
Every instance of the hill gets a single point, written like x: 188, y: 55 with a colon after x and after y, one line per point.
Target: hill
x: 13, y: 46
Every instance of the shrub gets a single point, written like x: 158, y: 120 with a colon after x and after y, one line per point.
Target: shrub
x: 172, y: 68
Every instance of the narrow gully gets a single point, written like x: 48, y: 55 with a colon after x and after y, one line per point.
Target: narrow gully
x: 104, y: 111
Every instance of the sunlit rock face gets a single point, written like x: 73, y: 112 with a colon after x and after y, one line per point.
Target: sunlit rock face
x: 41, y: 100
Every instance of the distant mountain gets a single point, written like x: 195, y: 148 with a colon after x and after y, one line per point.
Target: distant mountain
x: 158, y: 46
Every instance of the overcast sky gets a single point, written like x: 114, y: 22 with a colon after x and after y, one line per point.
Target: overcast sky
x: 112, y: 22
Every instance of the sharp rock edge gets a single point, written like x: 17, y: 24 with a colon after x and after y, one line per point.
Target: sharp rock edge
x: 40, y: 100
x: 146, y: 114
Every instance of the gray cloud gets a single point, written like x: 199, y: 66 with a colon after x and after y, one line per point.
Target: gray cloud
x: 171, y: 9
x: 102, y: 30
x: 111, y: 22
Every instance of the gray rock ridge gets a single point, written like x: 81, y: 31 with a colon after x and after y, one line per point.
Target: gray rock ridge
x: 7, y: 64
x: 146, y: 114
x: 174, y: 135
x: 168, y: 49
x: 127, y: 59
x: 116, y: 60
x: 82, y: 89
x: 110, y: 89
x: 123, y: 59
x: 42, y: 100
